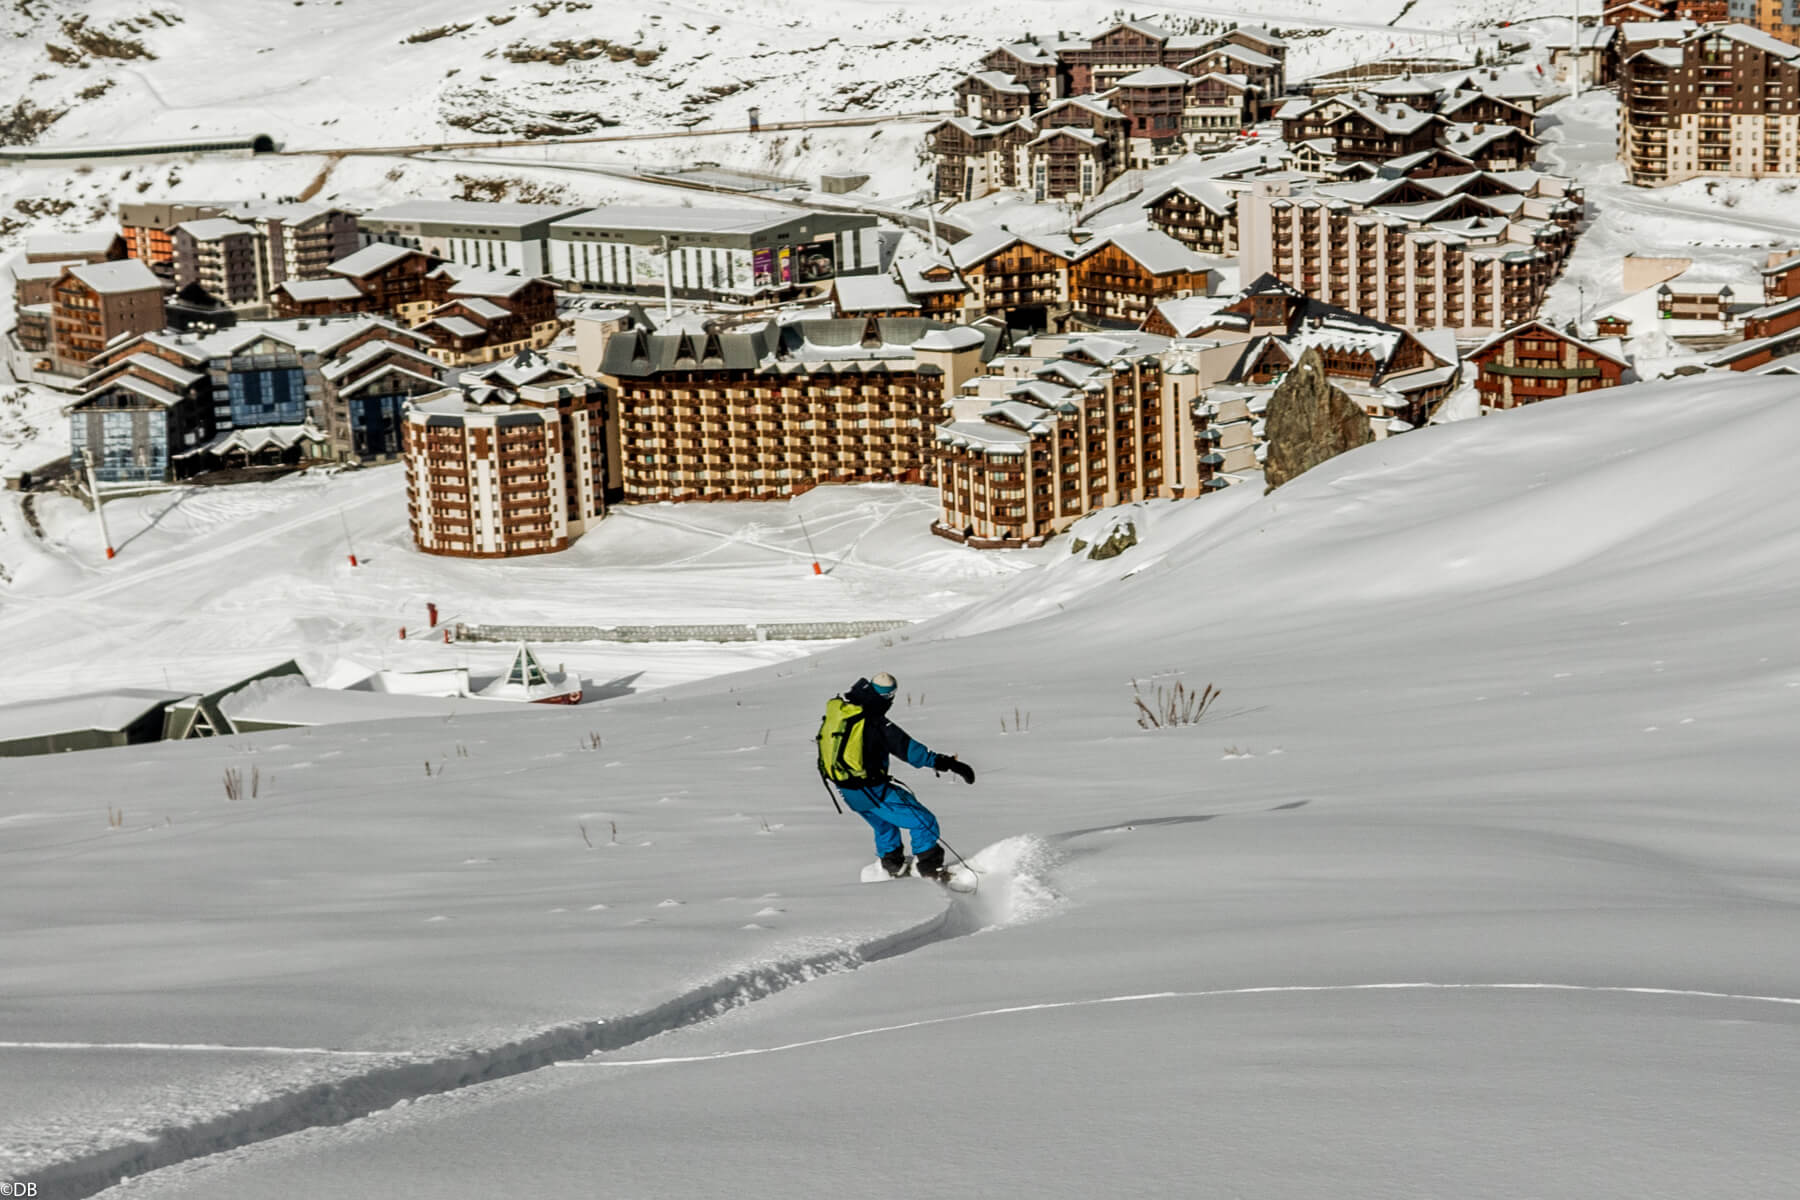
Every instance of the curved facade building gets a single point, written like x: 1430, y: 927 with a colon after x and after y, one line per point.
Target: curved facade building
x: 510, y: 463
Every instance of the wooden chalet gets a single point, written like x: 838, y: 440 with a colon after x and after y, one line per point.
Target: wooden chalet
x: 1536, y: 361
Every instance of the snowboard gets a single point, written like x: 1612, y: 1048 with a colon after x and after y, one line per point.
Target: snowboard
x: 962, y: 880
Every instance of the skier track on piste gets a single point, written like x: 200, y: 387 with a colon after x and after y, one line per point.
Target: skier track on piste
x: 405, y: 1076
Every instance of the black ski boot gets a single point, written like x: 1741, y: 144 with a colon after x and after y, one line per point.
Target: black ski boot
x: 930, y: 865
x: 894, y: 864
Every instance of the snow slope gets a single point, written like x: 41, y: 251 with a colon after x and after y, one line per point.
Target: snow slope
x: 211, y: 584
x: 1478, y: 880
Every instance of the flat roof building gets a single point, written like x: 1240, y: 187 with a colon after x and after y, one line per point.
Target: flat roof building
x: 496, y: 237
x: 711, y: 253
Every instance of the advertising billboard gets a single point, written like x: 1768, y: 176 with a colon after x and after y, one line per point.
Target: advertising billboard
x: 818, y: 261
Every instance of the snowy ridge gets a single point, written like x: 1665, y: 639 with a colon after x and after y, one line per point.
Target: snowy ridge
x: 1012, y: 893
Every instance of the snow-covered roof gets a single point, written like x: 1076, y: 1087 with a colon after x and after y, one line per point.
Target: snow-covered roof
x: 1468, y: 139
x: 912, y: 275
x: 656, y: 218
x: 387, y: 374
x: 1390, y: 118
x: 984, y: 436
x: 1204, y: 192
x: 1149, y: 29
x: 472, y: 212
x: 1156, y: 252
x: 455, y: 326
x: 1668, y: 56
x: 162, y: 368
x: 257, y: 438
x: 155, y: 393
x: 85, y: 244
x: 1243, y: 54
x: 1030, y: 52
x: 985, y: 242
x: 1068, y: 131
x: 485, y: 309
x: 113, y: 710
x: 369, y: 259
x: 1650, y: 31
x: 1543, y: 329
x: 472, y: 282
x: 211, y: 229
x: 1191, y: 314
x: 528, y: 681
x: 958, y: 337
x: 1156, y: 77
x: 1752, y: 37
x: 306, y: 291
x: 998, y: 81
x: 112, y: 278
x: 871, y: 293
x: 43, y: 270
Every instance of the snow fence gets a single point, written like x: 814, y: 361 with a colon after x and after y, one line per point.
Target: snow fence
x: 781, y: 631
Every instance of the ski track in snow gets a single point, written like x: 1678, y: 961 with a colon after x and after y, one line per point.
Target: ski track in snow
x: 1214, y: 994
x: 1015, y: 889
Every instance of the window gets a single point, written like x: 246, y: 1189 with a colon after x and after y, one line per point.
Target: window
x: 274, y: 396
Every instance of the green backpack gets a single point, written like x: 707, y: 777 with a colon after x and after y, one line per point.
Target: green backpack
x: 841, y: 744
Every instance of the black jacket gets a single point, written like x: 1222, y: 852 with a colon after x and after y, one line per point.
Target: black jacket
x: 882, y: 738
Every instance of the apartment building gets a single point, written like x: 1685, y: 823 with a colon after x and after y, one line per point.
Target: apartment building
x: 1398, y: 377
x: 221, y: 256
x: 510, y: 462
x: 93, y: 303
x: 1021, y: 278
x: 345, y: 379
x: 1033, y: 67
x: 1475, y: 251
x: 1725, y: 100
x: 486, y: 316
x: 1536, y: 361
x: 296, y: 240
x: 1069, y: 425
x: 379, y: 278
x: 149, y: 229
x: 47, y: 256
x: 772, y: 410
x: 1065, y: 119
x: 1201, y: 214
x: 1777, y: 18
x: 1115, y: 281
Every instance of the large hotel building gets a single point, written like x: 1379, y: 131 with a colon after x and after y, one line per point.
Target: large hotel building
x: 772, y: 410
x: 511, y: 462
x: 1725, y: 100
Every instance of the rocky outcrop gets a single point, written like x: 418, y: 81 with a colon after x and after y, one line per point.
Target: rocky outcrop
x: 1121, y: 537
x: 1309, y: 421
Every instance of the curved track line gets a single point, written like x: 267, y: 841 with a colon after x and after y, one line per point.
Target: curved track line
x: 1137, y: 998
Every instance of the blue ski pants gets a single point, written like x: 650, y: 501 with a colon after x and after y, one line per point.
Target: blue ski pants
x: 888, y: 808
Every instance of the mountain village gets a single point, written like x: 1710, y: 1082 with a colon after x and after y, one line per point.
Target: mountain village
x: 532, y: 363
x: 484, y: 484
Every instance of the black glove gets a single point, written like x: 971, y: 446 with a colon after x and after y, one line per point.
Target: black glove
x: 954, y: 765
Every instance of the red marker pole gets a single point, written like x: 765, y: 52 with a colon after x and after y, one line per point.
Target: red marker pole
x: 809, y: 547
x: 347, y: 544
x: 94, y: 491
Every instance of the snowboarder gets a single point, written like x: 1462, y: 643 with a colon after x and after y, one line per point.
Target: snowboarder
x: 855, y: 741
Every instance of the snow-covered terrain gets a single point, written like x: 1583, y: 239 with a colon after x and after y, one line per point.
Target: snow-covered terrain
x: 1479, y: 880
x: 213, y: 583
